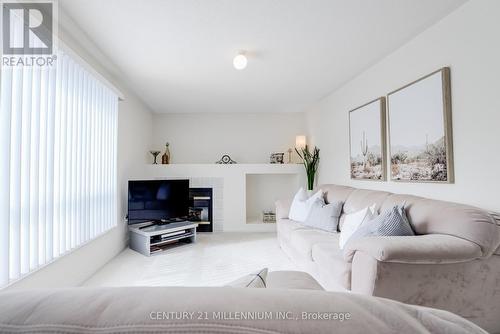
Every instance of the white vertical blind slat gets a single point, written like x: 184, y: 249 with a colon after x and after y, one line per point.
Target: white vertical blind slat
x: 42, y: 165
x: 58, y: 132
x: 72, y: 157
x: 15, y: 177
x: 78, y: 160
x: 57, y: 160
x: 34, y: 167
x: 49, y: 203
x: 93, y: 173
x: 5, y: 127
x: 25, y: 170
x: 64, y: 195
x: 99, y: 161
x: 83, y: 157
x: 109, y: 182
x: 105, y: 161
x: 70, y: 154
x: 88, y: 156
x: 114, y: 129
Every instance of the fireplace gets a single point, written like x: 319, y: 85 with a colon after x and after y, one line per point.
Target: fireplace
x: 200, y: 208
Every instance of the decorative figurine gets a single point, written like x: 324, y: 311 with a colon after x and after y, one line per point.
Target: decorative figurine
x: 289, y: 156
x: 226, y: 160
x: 155, y: 154
x: 165, y: 158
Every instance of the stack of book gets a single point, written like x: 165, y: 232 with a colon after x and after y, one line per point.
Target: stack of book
x: 268, y: 217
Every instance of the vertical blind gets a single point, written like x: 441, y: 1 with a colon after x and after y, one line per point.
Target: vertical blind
x: 58, y: 146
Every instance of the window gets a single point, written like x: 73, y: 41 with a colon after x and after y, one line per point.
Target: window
x: 58, y: 138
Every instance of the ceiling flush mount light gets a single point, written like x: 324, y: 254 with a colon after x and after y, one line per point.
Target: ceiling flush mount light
x: 240, y: 61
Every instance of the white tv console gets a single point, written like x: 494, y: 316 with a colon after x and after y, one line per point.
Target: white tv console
x: 156, y: 238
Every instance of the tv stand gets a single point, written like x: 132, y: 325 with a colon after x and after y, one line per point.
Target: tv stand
x: 162, y: 222
x: 149, y: 238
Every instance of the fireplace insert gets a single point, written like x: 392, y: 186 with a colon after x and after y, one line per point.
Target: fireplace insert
x: 200, y: 208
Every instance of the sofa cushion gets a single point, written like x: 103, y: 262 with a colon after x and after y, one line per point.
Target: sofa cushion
x: 303, y: 240
x: 333, y: 271
x: 285, y: 279
x: 287, y: 226
x: 335, y: 193
x: 361, y: 198
x: 430, y: 248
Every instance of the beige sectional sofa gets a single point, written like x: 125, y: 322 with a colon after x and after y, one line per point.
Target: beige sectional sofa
x: 453, y: 262
x: 292, y: 302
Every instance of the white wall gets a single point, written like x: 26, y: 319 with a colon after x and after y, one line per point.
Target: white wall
x: 467, y: 41
x: 246, y: 137
x: 134, y: 140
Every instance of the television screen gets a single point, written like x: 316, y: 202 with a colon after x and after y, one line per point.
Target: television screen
x: 157, y: 200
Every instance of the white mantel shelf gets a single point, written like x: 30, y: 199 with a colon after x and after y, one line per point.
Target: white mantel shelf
x: 234, y: 178
x: 218, y: 169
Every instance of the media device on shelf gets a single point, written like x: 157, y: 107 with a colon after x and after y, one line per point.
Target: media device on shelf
x: 158, y: 201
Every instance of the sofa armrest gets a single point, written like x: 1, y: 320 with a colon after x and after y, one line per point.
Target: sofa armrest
x: 283, y: 208
x: 424, y: 249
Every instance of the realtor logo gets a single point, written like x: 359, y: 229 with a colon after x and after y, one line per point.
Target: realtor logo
x: 28, y: 32
x: 27, y: 28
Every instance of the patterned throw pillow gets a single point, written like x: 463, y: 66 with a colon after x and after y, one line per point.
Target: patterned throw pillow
x: 253, y: 280
x: 392, y: 222
x: 324, y: 216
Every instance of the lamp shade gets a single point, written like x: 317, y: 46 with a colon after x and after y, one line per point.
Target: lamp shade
x: 240, y: 61
x: 300, y: 142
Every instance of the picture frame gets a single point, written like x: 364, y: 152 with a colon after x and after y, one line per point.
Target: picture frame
x: 367, y: 141
x: 420, y: 130
x: 277, y: 158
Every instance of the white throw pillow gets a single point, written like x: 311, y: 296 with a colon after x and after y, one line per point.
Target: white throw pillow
x: 353, y: 221
x: 301, y: 205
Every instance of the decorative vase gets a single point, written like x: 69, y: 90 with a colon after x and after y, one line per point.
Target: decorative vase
x: 165, y: 158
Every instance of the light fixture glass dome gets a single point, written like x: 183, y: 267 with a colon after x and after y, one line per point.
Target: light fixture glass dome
x: 240, y: 61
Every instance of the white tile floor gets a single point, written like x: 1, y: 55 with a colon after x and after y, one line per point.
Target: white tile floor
x: 215, y: 259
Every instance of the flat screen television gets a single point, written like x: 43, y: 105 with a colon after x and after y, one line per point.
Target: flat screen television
x: 157, y: 200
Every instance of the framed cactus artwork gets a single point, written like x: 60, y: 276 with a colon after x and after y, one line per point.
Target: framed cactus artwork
x: 420, y: 132
x: 367, y: 141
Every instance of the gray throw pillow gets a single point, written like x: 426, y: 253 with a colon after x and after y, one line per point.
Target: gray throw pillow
x: 324, y: 216
x: 392, y: 222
